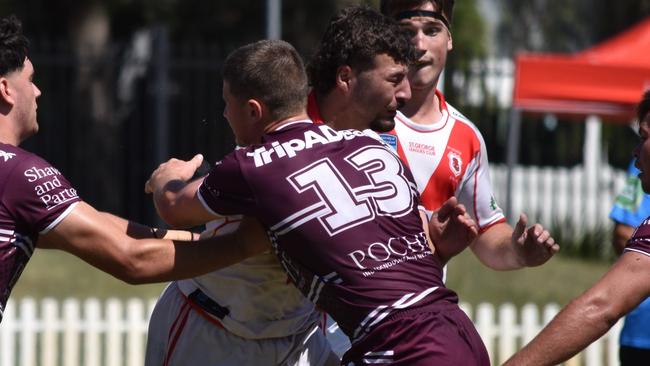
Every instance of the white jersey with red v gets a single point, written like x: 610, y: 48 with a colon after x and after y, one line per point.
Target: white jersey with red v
x: 448, y: 158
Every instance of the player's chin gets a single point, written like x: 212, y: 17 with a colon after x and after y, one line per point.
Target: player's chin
x: 383, y: 124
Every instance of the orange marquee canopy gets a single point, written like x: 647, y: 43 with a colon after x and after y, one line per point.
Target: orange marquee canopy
x: 607, y: 79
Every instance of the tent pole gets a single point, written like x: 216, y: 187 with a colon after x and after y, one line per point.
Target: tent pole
x: 592, y: 151
x: 512, y: 153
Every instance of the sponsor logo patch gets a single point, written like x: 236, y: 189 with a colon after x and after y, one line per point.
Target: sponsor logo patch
x: 389, y: 139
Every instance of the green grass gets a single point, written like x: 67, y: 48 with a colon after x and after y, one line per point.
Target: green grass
x: 559, y: 280
x: 52, y: 273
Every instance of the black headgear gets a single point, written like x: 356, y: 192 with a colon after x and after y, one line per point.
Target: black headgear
x: 423, y: 13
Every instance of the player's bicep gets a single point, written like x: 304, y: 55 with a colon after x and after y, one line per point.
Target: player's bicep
x: 85, y: 233
x: 626, y: 281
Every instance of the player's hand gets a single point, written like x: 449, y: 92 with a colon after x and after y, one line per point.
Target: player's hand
x: 451, y: 229
x: 535, y: 245
x: 173, y: 169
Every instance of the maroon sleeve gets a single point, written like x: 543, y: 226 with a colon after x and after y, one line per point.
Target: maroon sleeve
x: 38, y: 194
x: 225, y: 190
x: 640, y: 240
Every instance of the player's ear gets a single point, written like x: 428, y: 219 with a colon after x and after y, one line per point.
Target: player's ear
x: 256, y: 109
x: 450, y: 42
x: 344, y: 76
x: 6, y: 92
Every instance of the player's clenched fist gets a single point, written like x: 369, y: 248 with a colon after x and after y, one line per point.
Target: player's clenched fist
x: 172, y: 170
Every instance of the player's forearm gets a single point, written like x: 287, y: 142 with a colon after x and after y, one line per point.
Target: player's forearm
x: 446, y: 250
x: 157, y: 260
x: 178, y: 204
x: 589, y: 316
x: 166, y: 198
x: 163, y: 260
x: 139, y: 231
x: 583, y: 321
x: 496, y: 250
x: 132, y: 229
x: 153, y: 262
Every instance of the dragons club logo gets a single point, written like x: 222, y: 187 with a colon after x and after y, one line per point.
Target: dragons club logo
x: 455, y: 163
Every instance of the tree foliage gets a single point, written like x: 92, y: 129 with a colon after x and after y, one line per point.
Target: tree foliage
x: 561, y: 26
x: 468, y: 35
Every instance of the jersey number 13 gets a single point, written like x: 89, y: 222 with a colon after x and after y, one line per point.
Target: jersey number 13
x: 341, y: 206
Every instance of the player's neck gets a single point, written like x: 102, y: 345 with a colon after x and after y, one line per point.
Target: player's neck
x: 334, y: 111
x: 423, y: 107
x: 8, y: 136
x: 279, y: 123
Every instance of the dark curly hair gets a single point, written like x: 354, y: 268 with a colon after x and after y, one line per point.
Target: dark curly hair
x: 393, y: 7
x: 354, y: 37
x: 13, y: 45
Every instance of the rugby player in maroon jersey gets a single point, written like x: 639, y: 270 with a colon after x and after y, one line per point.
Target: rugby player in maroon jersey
x: 620, y: 290
x: 341, y: 210
x: 367, y: 94
x: 40, y: 208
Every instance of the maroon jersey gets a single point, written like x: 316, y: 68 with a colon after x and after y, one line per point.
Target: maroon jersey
x: 34, y: 197
x: 640, y: 240
x: 342, y: 213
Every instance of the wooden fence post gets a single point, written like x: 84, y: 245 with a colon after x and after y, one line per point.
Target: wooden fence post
x: 508, y: 332
x: 8, y: 335
x: 28, y: 330
x: 50, y: 326
x: 71, y: 330
x: 136, y: 333
x: 92, y: 348
x: 114, y: 330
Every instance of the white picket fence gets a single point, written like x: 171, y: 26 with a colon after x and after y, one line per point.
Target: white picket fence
x: 560, y: 195
x: 113, y: 333
x: 75, y: 332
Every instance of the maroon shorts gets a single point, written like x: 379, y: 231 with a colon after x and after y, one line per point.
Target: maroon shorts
x: 439, y: 334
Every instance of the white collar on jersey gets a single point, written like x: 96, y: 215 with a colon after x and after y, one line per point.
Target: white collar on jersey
x: 294, y: 123
x: 423, y: 128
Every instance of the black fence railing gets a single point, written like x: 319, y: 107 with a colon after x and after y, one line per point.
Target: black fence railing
x: 108, y: 118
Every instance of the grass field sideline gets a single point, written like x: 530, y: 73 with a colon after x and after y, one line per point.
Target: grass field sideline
x: 52, y: 273
x: 57, y: 274
x: 559, y: 280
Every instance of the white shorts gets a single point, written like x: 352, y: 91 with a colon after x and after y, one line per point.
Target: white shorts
x: 181, y: 335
